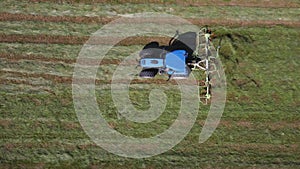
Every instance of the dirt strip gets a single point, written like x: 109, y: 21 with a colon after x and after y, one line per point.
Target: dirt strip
x: 68, y: 80
x: 9, y: 123
x: 249, y: 3
x: 245, y: 23
x: 46, y: 39
x: 71, y: 80
x: 87, y: 61
x: 53, y: 78
x: 73, y: 19
x: 104, y: 20
x: 240, y: 147
x: 18, y: 57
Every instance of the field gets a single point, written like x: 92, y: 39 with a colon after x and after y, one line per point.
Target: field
x: 40, y: 41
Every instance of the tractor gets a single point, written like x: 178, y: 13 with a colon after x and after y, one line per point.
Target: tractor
x: 186, y: 52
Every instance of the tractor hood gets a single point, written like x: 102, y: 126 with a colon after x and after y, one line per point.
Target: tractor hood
x: 175, y: 60
x: 152, y: 62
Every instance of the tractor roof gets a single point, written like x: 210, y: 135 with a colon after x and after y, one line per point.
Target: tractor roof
x: 175, y: 60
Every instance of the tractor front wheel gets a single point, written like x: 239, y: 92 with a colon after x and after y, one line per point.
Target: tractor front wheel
x: 148, y: 73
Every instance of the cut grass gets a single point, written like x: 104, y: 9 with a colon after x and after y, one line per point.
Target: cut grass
x: 252, y: 3
x: 244, y: 65
x: 11, y: 17
x: 259, y: 127
x: 49, y: 28
x: 224, y: 12
x: 63, y: 51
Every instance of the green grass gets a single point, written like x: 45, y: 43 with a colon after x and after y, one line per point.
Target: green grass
x: 224, y: 12
x: 49, y: 28
x: 63, y: 51
x: 259, y: 127
x: 266, y: 56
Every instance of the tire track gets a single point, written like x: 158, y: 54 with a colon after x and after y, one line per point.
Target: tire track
x: 250, y: 3
x: 104, y: 20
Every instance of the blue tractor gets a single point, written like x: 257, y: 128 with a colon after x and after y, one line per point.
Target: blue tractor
x: 185, y: 52
x: 172, y: 59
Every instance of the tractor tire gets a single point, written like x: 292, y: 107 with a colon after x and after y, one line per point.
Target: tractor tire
x: 151, y: 45
x: 148, y: 73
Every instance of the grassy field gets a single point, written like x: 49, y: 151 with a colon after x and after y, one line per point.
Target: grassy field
x: 39, y: 44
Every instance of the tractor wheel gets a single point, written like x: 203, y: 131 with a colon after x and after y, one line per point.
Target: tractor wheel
x: 151, y: 45
x: 148, y: 73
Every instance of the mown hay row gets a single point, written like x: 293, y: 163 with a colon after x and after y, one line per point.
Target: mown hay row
x: 75, y: 40
x: 250, y: 3
x: 70, y: 80
x: 104, y: 20
x: 86, y: 61
x: 73, y: 19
